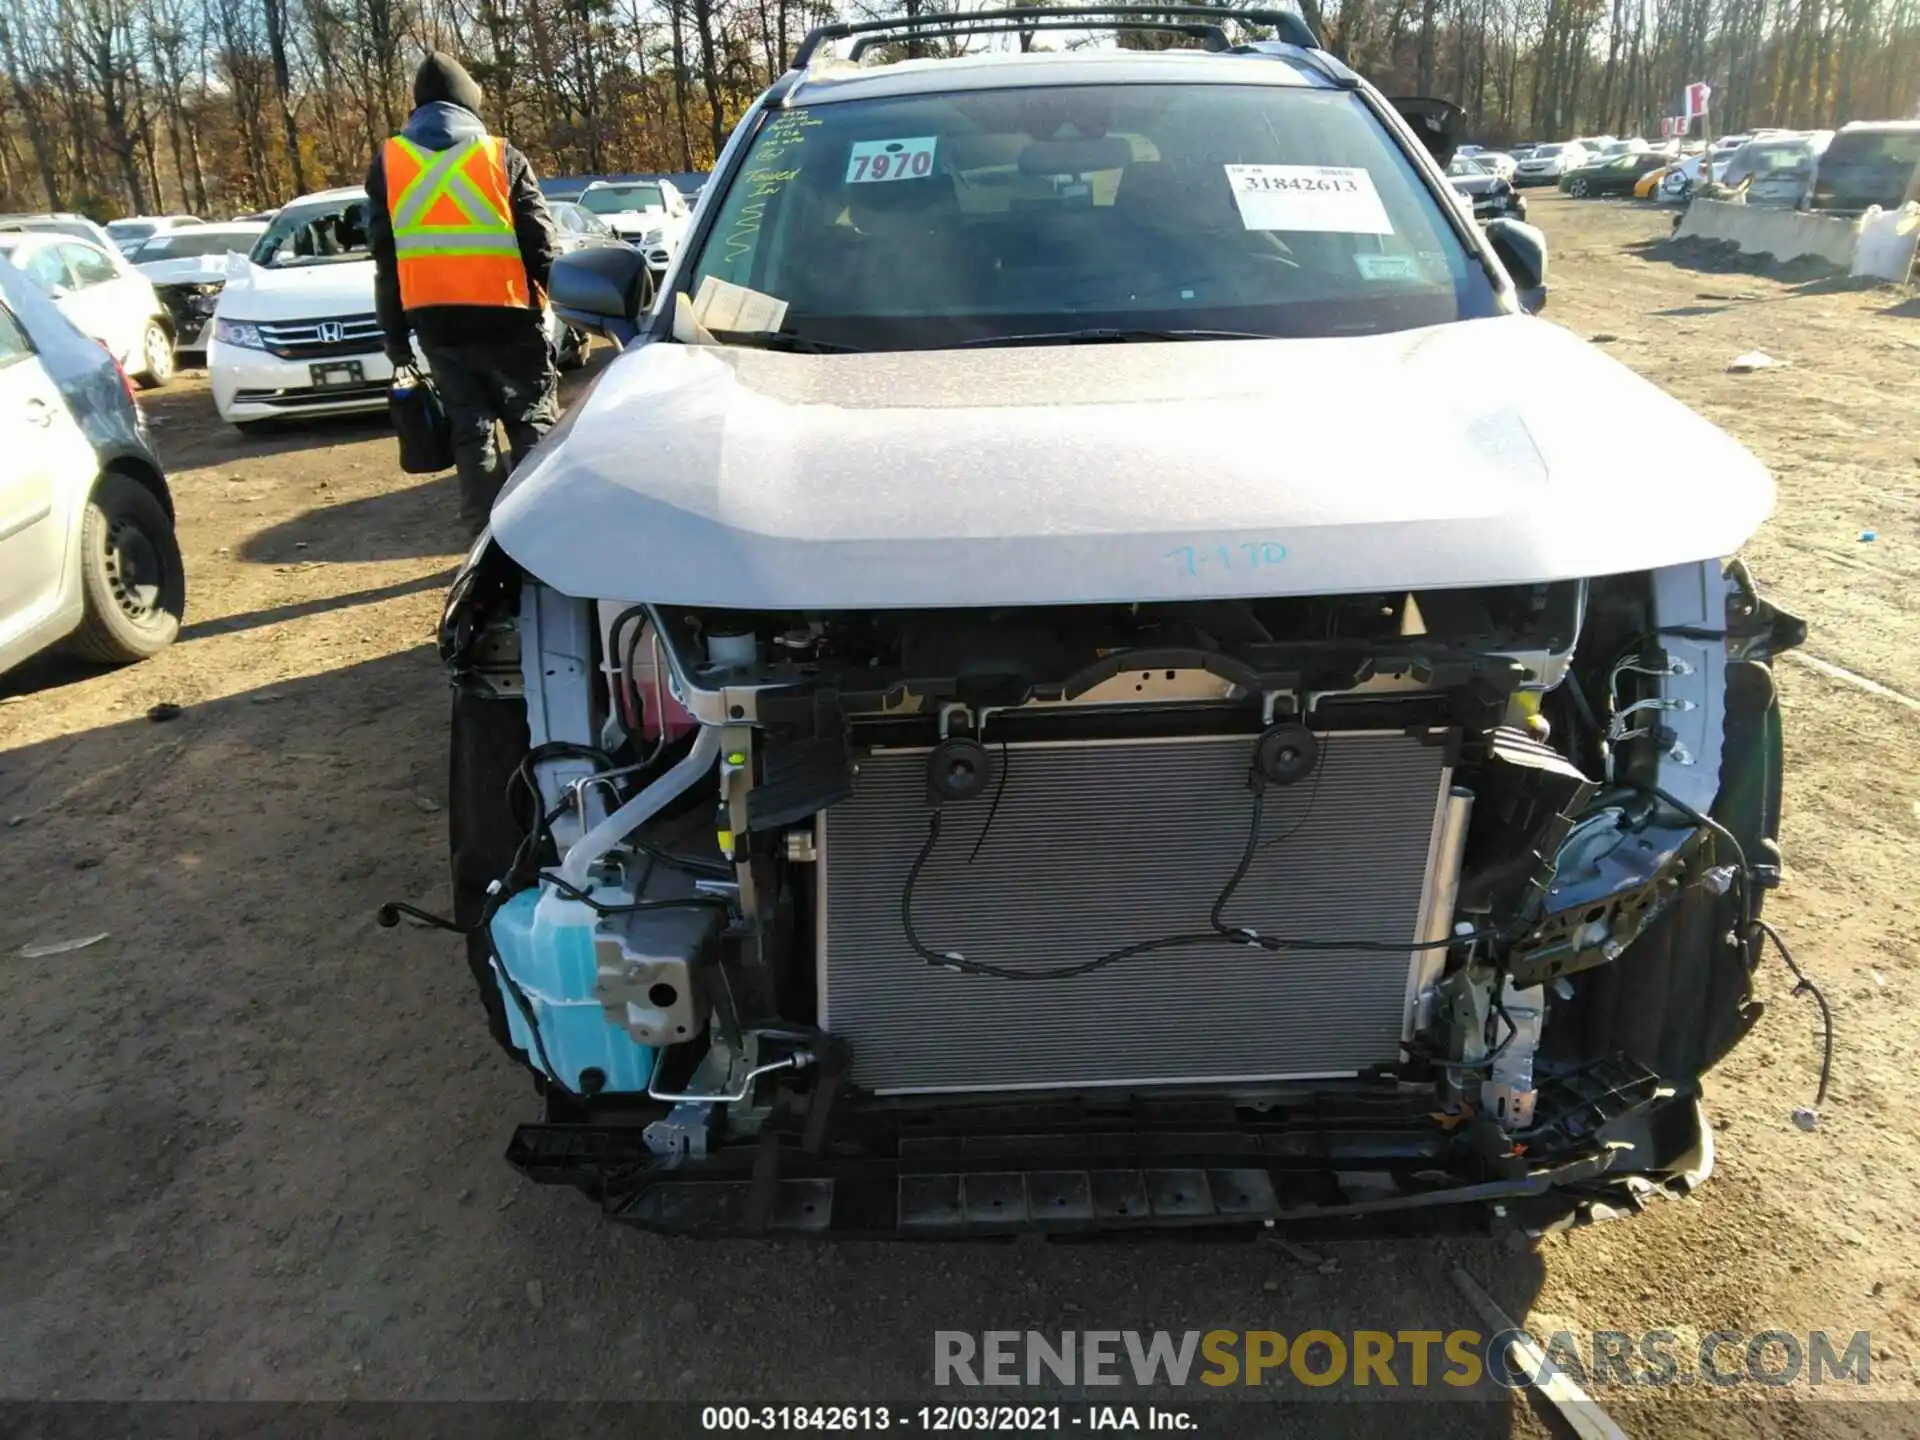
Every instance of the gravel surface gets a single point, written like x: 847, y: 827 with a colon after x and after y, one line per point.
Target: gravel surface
x: 252, y: 1144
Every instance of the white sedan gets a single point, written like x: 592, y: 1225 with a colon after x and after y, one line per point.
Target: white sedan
x: 104, y: 297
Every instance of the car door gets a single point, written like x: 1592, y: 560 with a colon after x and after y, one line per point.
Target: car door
x: 45, y: 449
x: 115, y: 315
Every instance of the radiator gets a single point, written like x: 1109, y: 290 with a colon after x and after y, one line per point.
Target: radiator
x: 1100, y: 844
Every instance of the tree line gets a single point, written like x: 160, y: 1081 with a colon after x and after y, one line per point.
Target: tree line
x: 221, y: 106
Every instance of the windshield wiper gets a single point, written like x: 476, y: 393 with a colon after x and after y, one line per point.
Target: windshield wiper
x: 783, y: 340
x: 1106, y: 335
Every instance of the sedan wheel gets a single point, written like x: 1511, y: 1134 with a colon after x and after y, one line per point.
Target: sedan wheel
x: 1577, y: 189
x: 156, y: 357
x: 131, y: 575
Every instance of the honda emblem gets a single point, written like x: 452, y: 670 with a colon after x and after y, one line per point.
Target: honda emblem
x: 332, y: 332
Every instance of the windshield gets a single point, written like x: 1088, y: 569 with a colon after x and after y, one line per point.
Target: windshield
x: 125, y: 230
x: 185, y: 244
x: 612, y: 199
x: 1865, y: 167
x: 1788, y: 155
x: 930, y: 220
x: 1547, y: 152
x: 316, y: 234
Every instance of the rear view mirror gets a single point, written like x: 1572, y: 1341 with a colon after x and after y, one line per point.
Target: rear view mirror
x: 1438, y: 123
x: 1523, y: 251
x: 1075, y: 157
x: 605, y: 289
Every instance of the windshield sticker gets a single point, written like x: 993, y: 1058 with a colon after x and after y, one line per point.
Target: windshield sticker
x: 1387, y: 267
x: 872, y: 160
x: 1337, y: 198
x: 735, y: 309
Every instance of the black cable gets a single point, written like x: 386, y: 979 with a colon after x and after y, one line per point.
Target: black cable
x: 1247, y: 852
x: 1582, y: 707
x: 1753, y: 928
x: 1803, y: 986
x: 715, y: 869
x: 1219, y: 936
x: 1744, y: 875
x: 600, y: 907
x: 389, y: 913
x: 998, y: 791
x: 627, y: 691
x: 521, y: 999
x: 1247, y: 936
x: 1313, y: 797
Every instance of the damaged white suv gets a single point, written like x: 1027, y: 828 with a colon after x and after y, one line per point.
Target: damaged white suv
x: 1078, y: 673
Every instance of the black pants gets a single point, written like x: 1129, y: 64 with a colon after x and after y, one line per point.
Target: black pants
x: 512, y: 382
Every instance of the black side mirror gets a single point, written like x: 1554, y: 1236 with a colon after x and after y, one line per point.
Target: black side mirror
x: 605, y: 290
x: 1523, y: 250
x: 1438, y: 123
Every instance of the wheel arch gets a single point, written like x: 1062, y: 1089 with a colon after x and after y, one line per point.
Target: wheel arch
x: 143, y: 472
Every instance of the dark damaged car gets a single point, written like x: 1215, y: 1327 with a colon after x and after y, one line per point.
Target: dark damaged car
x: 1078, y: 673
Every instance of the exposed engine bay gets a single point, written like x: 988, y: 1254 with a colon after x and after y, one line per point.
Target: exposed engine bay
x: 1226, y: 913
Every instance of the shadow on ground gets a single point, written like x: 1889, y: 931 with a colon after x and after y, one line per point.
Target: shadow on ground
x: 254, y: 1142
x: 254, y: 619
x: 178, y: 411
x: 404, y: 523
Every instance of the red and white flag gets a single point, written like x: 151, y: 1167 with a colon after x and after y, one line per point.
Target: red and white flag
x: 1696, y: 98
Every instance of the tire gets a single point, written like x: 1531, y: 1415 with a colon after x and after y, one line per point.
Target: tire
x: 156, y: 355
x: 131, y: 575
x: 485, y: 820
x: 1577, y: 189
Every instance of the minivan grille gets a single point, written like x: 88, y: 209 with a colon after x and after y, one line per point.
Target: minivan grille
x: 322, y: 339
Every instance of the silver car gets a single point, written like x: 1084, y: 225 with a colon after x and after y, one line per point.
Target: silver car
x: 1078, y: 672
x: 87, y: 547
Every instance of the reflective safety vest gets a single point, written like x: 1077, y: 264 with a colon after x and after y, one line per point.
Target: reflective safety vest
x: 453, y: 224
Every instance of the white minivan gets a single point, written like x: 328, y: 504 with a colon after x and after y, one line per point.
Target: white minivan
x: 295, y: 332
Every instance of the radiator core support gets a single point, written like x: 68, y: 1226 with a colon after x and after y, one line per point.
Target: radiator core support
x: 1099, y: 844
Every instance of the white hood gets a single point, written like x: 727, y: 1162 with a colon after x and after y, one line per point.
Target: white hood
x: 330, y: 288
x: 1108, y: 473
x: 638, y: 222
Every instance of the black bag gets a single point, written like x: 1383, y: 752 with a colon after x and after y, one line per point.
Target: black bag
x: 420, y: 420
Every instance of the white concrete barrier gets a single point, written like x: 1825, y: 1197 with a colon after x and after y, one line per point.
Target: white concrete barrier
x: 1783, y: 234
x: 1887, y: 240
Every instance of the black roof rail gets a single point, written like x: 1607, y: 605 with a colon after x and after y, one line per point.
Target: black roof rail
x: 1200, y: 21
x: 1212, y: 36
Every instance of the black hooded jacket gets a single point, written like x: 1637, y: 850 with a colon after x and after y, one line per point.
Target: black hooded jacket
x: 439, y: 125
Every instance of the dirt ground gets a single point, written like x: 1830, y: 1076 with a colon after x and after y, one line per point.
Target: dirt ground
x: 251, y: 1145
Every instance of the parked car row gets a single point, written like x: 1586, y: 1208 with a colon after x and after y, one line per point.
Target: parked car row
x: 1843, y: 172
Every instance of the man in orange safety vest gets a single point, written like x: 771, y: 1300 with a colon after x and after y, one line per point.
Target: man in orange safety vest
x: 462, y: 244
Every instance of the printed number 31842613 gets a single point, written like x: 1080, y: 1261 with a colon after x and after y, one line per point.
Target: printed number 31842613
x: 1247, y: 555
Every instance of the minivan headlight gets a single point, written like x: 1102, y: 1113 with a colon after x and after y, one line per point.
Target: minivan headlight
x: 238, y: 332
